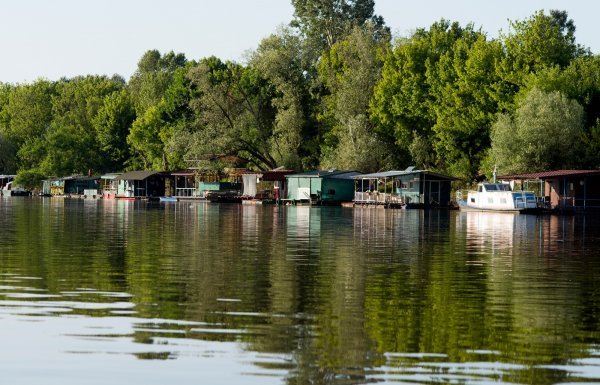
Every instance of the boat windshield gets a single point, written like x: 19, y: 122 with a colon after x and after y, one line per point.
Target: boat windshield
x: 497, y: 187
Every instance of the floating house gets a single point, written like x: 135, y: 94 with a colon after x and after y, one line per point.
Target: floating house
x: 184, y: 184
x: 109, y: 186
x: 141, y: 184
x: 321, y: 187
x: 561, y: 189
x: 265, y: 186
x: 71, y: 185
x: 417, y: 188
x: 227, y: 183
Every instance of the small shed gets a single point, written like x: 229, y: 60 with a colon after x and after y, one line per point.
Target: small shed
x: 421, y: 188
x: 141, y: 184
x: 321, y: 186
x: 562, y: 189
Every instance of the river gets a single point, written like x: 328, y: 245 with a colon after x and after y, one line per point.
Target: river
x: 122, y: 292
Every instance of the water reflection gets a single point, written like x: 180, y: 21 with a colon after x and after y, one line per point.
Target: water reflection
x: 251, y: 294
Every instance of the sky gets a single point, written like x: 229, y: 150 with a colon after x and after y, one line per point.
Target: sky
x: 51, y: 39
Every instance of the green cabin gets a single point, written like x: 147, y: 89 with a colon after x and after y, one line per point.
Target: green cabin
x: 321, y: 186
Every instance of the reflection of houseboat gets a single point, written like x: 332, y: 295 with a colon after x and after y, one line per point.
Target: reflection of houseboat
x: 498, y: 197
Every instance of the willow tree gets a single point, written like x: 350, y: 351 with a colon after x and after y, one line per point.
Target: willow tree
x: 278, y: 58
x: 349, y: 71
x: 544, y: 134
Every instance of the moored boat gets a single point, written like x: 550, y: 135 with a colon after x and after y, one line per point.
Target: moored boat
x: 226, y: 196
x: 498, y: 197
x: 9, y: 191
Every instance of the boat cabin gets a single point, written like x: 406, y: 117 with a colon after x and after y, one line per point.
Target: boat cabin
x: 499, y: 197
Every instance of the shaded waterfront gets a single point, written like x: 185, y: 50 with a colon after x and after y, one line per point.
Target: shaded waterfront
x: 204, y: 293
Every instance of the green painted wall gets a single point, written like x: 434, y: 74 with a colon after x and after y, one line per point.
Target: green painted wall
x: 338, y: 189
x: 218, y: 186
x: 302, y: 182
x: 331, y: 189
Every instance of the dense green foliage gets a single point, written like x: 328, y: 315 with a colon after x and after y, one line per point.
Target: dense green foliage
x: 332, y: 89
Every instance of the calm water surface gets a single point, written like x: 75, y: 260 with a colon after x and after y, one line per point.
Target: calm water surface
x: 98, y: 292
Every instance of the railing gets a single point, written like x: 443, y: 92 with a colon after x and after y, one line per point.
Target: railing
x: 185, y: 192
x: 377, y: 198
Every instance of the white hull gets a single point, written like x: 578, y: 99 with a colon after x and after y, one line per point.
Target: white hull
x: 498, y: 197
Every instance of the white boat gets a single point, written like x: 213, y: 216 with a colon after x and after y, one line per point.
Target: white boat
x: 8, y: 191
x: 498, y: 197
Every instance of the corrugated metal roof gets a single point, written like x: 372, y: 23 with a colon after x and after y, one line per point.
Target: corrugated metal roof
x: 183, y: 173
x: 74, y: 177
x: 395, y: 173
x: 339, y: 174
x: 110, y: 175
x: 550, y: 174
x: 271, y: 175
x: 136, y: 175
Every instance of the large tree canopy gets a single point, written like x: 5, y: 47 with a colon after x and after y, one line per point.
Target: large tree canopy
x: 544, y: 134
x: 234, y: 112
x: 324, y: 22
x: 350, y: 71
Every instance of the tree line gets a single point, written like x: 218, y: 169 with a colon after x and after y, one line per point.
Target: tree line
x: 333, y: 89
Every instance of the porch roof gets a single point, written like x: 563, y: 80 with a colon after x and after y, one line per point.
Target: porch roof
x: 136, y: 175
x: 337, y: 174
x: 183, y: 173
x: 395, y: 173
x: 110, y: 175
